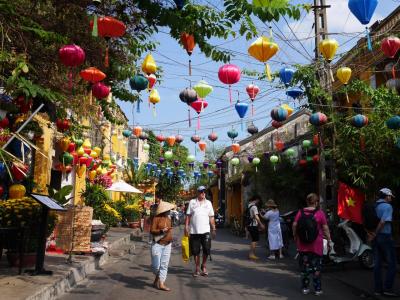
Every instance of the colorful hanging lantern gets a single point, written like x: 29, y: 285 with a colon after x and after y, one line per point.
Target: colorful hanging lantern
x: 138, y: 83
x: 328, y: 48
x: 152, y: 81
x: 344, y: 75
x: 229, y: 74
x: 252, y: 129
x: 100, y: 90
x: 263, y: 49
x: 274, y: 159
x: 302, y: 163
x: 143, y: 136
x: 256, y: 161
x: 126, y: 133
x: 161, y: 160
x: 109, y: 27
x: 279, y: 114
x: 146, y: 147
x: 168, y: 155
x: 252, y: 90
x: 188, y: 42
x: 290, y: 152
x: 306, y: 144
x: 92, y: 75
x: 318, y: 119
x: 176, y: 163
x: 190, y: 158
x: 199, y: 105
x: 71, y: 56
x: 171, y: 140
x: 149, y: 65
x: 286, y: 75
x: 137, y: 130
x: 232, y: 134
x: 203, y: 89
x: 250, y: 158
x: 212, y: 136
x: 195, y: 138
x: 154, y: 98
x: 295, y: 92
x: 188, y: 96
x: 359, y: 121
x: 241, y: 109
x: 287, y: 108
x: 179, y: 139
x: 276, y: 124
x: 160, y: 138
x: 202, y: 146
x: 235, y: 148
x: 393, y: 122
x: 235, y: 161
x: 390, y: 46
x: 279, y: 145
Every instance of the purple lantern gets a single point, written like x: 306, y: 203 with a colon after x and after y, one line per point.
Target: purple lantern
x: 176, y: 163
x: 250, y: 158
x: 161, y: 160
x: 205, y: 164
x: 267, y: 154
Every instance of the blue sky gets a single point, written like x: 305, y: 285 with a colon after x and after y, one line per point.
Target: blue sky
x: 220, y: 116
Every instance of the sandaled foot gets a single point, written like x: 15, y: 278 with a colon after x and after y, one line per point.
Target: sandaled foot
x: 203, y: 271
x: 164, y: 288
x: 196, y: 274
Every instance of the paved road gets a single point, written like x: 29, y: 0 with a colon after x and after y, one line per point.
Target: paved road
x: 231, y: 276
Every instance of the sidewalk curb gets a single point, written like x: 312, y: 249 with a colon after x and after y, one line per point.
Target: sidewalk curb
x: 78, y: 273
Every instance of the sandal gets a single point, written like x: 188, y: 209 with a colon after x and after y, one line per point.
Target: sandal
x: 164, y: 288
x: 196, y: 274
x: 203, y: 273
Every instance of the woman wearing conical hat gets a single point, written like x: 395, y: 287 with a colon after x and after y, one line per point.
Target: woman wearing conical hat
x: 274, y: 229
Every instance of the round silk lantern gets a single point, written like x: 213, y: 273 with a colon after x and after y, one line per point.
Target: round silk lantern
x: 279, y: 114
x: 149, y: 65
x: 190, y: 158
x: 287, y: 108
x: 199, y: 105
x: 274, y: 160
x: 263, y: 49
x: 363, y: 10
x: 250, y: 158
x: 276, y: 124
x: 126, y: 133
x: 143, y: 136
x: 71, y: 55
x: 306, y: 144
x: 171, y: 140
x: 241, y: 109
x: 302, y: 163
x: 290, y: 152
x: 188, y: 42
x: 286, y: 75
x: 232, y: 134
x: 328, y: 48
x: 138, y: 83
x: 154, y: 98
x: 229, y: 74
x: 318, y: 119
x: 252, y: 129
x: 100, y: 90
x: 160, y: 138
x: 152, y: 79
x: 295, y: 92
x: 202, y: 146
x: 256, y: 161
x: 344, y: 75
x: 179, y: 139
x: 146, y: 147
x: 235, y: 161
x: 390, y: 46
x: 195, y: 138
x: 252, y: 90
x: 203, y: 89
x: 92, y: 75
x: 168, y: 154
x: 235, y: 148
x: 137, y: 130
x: 359, y: 121
x: 16, y: 191
x: 188, y: 96
x: 279, y: 145
x: 212, y: 136
x: 393, y: 122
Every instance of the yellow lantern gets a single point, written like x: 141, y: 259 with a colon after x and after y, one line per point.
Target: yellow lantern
x: 149, y: 65
x: 87, y: 144
x: 287, y: 108
x: 104, y: 171
x: 80, y: 170
x: 94, y: 154
x: 263, y: 49
x: 16, y: 191
x: 99, y: 170
x: 64, y: 143
x: 154, y: 98
x: 106, y: 157
x: 80, y: 151
x: 97, y: 150
x: 328, y: 48
x: 344, y: 75
x: 92, y: 175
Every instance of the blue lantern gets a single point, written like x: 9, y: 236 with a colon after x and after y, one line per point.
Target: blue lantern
x: 148, y: 168
x: 393, y: 122
x: 363, y: 10
x: 158, y: 172
x: 295, y: 92
x: 179, y: 4
x: 232, y: 134
x: 359, y: 121
x: 2, y: 168
x: 318, y: 119
x: 279, y: 114
x: 127, y: 133
x: 286, y: 75
x: 241, y: 109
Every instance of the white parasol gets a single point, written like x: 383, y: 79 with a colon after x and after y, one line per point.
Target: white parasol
x: 123, y: 187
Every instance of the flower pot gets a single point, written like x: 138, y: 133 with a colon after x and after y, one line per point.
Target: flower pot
x: 28, y: 259
x: 135, y: 224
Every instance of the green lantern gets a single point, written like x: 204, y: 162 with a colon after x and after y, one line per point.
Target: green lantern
x: 190, y: 158
x: 146, y: 147
x: 235, y: 161
x: 256, y: 161
x: 306, y: 144
x: 168, y: 154
x: 290, y: 152
x: 203, y: 89
x: 66, y: 158
x: 274, y: 160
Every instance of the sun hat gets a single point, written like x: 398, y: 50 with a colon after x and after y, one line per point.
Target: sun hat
x: 387, y: 192
x: 201, y: 188
x: 271, y: 203
x: 164, y: 206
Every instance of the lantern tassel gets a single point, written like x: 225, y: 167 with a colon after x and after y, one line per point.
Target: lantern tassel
x: 394, y: 72
x: 252, y: 109
x: 368, y: 39
x: 70, y: 75
x: 95, y: 31
x: 230, y: 95
x: 268, y: 72
x: 106, y: 62
x: 189, y: 118
x: 331, y: 74
x: 241, y: 124
x: 90, y: 97
x: 256, y: 169
x: 190, y: 67
x: 347, y: 97
x: 154, y: 111
x: 138, y: 106
x: 198, y: 122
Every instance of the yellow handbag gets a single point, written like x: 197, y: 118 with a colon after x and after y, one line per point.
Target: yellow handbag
x: 185, y: 248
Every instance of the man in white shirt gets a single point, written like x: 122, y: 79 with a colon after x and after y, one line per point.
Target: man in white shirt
x: 199, y: 217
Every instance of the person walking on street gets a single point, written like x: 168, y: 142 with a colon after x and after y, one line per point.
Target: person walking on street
x: 161, y: 230
x: 153, y: 209
x: 383, y: 245
x: 198, y: 225
x: 309, y: 229
x: 274, y: 229
x: 253, y: 224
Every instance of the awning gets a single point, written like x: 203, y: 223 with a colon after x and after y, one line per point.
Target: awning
x: 123, y: 187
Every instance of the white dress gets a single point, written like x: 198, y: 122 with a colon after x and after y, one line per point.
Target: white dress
x: 274, y: 230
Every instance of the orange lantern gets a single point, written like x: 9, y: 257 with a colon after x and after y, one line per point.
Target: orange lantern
x: 92, y: 75
x: 235, y: 148
x: 137, y: 130
x: 279, y: 145
x: 188, y: 43
x: 202, y: 146
x: 171, y: 140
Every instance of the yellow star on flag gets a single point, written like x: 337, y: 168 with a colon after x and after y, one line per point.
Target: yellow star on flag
x: 350, y: 202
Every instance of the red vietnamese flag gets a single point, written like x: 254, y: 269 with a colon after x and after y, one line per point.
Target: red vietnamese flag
x: 350, y: 203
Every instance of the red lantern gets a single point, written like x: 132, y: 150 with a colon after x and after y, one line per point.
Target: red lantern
x: 202, y: 146
x: 316, y: 139
x: 160, y: 138
x: 108, y: 27
x: 100, y: 90
x: 4, y: 122
x: 229, y: 74
x: 390, y: 46
x: 195, y: 138
x: 152, y: 80
x: 235, y: 148
x: 302, y: 162
x: 71, y: 56
x: 315, y: 158
x: 276, y: 124
x: 188, y: 43
x: 212, y: 136
x: 178, y: 139
x: 252, y: 90
x: 92, y: 75
x: 199, y: 105
x: 279, y: 145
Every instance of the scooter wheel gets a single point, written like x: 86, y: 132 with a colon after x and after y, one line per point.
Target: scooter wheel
x: 367, y: 259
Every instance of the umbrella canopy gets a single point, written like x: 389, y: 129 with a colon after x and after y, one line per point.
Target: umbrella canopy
x: 123, y: 187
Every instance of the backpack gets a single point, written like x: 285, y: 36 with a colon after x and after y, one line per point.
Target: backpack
x: 247, y: 216
x: 370, y: 218
x: 307, y: 227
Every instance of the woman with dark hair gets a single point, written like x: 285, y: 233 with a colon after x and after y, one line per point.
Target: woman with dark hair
x: 253, y: 223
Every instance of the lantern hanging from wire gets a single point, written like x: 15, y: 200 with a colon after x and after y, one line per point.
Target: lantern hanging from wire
x: 252, y: 90
x: 137, y: 130
x: 274, y: 159
x: 241, y: 109
x: 152, y: 78
x: 154, y: 98
x: 127, y: 133
x: 232, y: 134
x: 212, y: 137
x: 149, y: 65
x: 109, y: 27
x: 286, y: 75
x: 188, y: 96
x: 318, y: 119
x: 179, y: 139
x: 256, y: 161
x: 344, y: 75
x: 229, y: 74
x: 202, y: 146
x: 188, y: 42
x: 171, y: 140
x: 363, y: 10
x: 263, y: 49
x: 138, y: 83
x: 287, y: 108
x: 100, y: 90
x: 279, y: 114
x: 195, y: 139
x: 199, y: 105
x: 276, y: 124
x: 235, y: 147
x: 252, y: 129
x: 359, y: 121
x: 295, y: 92
x: 390, y: 46
x: 328, y: 48
x: 71, y: 56
x: 203, y: 89
x: 92, y: 75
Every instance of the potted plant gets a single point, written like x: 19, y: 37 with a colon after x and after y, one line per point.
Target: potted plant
x: 133, y: 215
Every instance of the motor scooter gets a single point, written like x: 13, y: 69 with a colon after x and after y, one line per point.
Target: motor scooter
x: 219, y: 220
x: 353, y: 248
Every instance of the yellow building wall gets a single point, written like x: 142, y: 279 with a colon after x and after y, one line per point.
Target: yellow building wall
x: 214, y: 200
x: 234, y: 201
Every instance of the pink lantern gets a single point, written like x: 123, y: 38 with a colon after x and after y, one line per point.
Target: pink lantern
x: 71, y: 56
x: 152, y: 80
x: 229, y: 74
x: 100, y: 90
x: 390, y: 46
x: 252, y: 90
x: 199, y: 105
